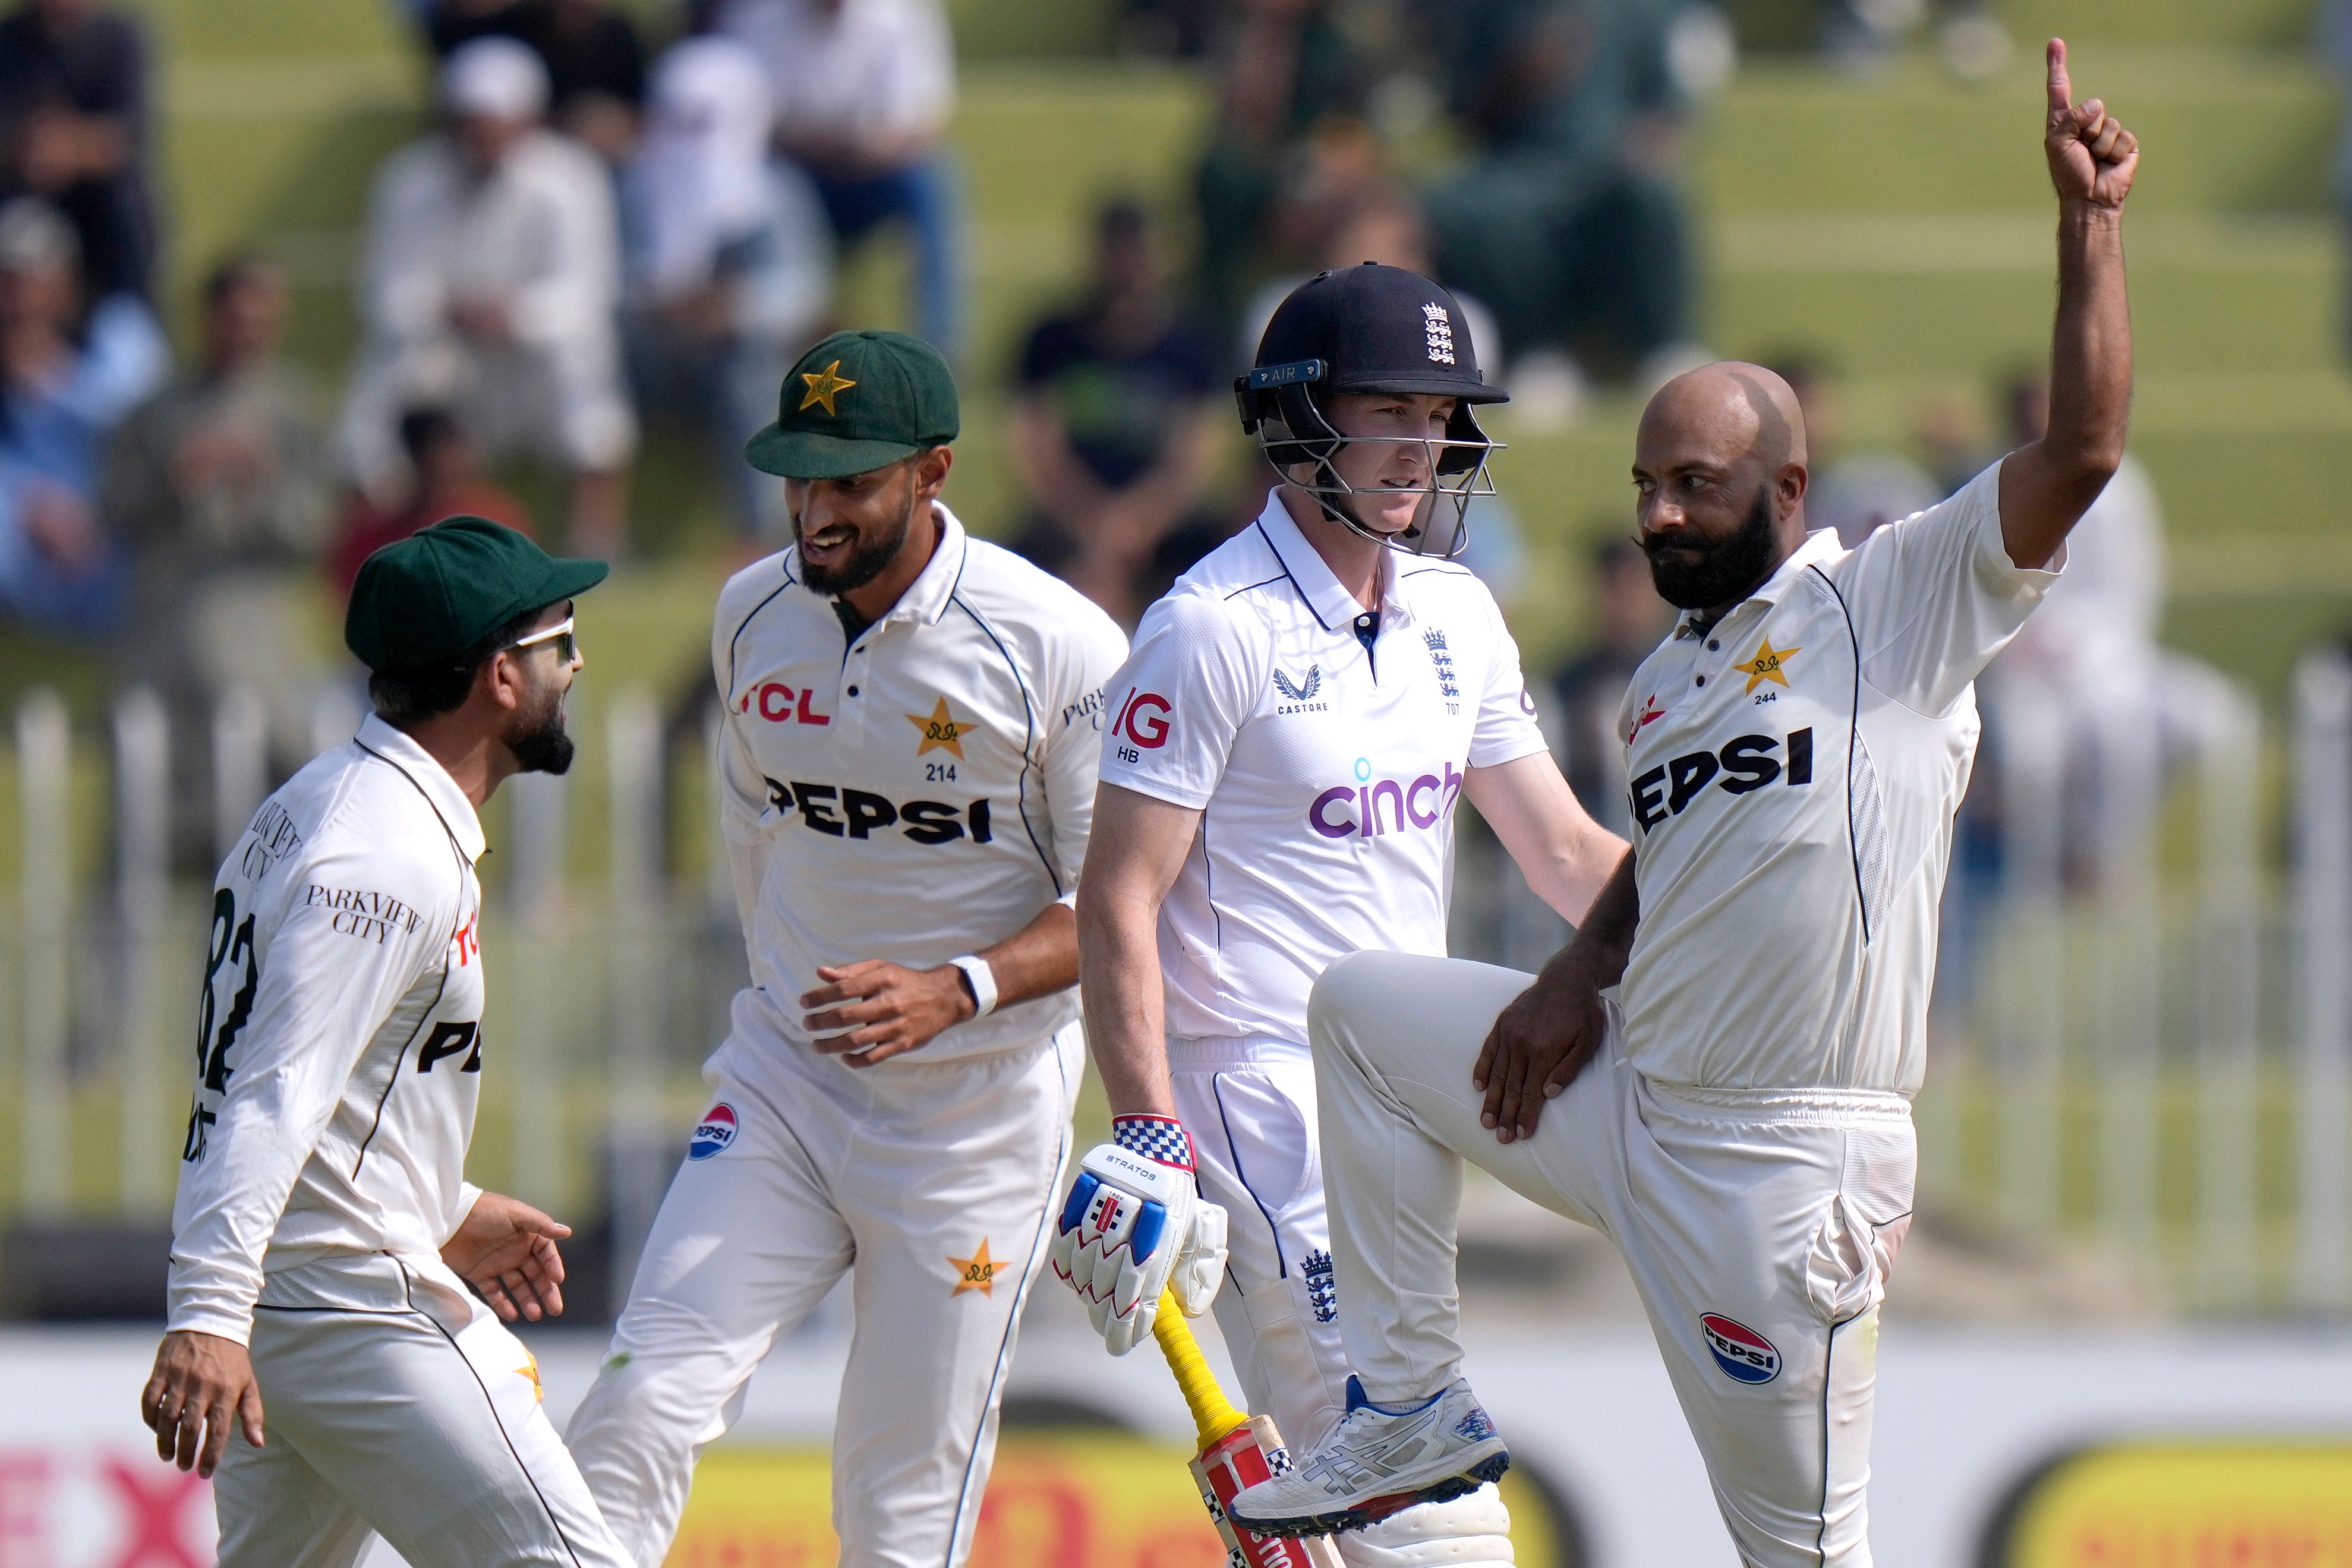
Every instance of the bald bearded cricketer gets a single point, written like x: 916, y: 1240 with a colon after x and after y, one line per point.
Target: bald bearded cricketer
x: 1717, y: 1070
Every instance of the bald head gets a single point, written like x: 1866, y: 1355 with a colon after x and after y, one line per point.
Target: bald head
x: 1740, y: 408
x: 1719, y: 467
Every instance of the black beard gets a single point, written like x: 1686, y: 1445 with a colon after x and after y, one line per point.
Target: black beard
x: 1728, y: 570
x: 864, y: 563
x: 540, y: 743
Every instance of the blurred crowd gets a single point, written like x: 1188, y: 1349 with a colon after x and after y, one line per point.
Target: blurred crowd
x: 605, y: 228
x: 609, y: 223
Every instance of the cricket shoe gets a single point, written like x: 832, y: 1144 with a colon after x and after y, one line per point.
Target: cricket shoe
x: 1378, y: 1460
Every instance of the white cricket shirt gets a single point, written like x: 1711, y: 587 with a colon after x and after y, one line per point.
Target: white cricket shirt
x: 339, y: 1032
x: 1793, y: 775
x: 914, y: 793
x: 1326, y: 773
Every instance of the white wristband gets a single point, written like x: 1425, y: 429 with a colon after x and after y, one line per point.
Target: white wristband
x: 983, y: 980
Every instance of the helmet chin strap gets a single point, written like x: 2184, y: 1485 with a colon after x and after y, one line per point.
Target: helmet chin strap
x: 1330, y: 489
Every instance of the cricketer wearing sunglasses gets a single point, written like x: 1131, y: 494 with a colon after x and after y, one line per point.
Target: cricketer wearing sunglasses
x: 326, y: 1363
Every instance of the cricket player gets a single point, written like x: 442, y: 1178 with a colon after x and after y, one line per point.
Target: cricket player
x: 1286, y: 748
x: 324, y: 1235
x: 908, y: 764
x: 1735, y: 1033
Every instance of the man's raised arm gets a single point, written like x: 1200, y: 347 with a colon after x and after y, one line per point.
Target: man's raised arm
x: 2047, y: 487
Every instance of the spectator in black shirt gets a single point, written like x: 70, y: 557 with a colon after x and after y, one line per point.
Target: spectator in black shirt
x: 1116, y: 427
x: 595, y: 61
x: 73, y: 130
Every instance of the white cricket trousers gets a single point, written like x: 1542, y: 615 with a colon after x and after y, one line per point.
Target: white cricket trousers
x: 1759, y: 1228
x: 395, y: 1404
x: 1251, y: 1109
x: 931, y: 1183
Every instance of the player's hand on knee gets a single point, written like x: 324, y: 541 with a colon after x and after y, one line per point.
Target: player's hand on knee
x: 506, y: 1250
x: 873, y: 1011
x: 1135, y: 1223
x: 202, y: 1383
x: 1537, y: 1046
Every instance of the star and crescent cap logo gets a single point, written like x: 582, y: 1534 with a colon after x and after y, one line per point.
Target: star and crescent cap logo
x: 977, y: 1272
x: 1768, y: 665
x: 823, y: 386
x: 940, y: 731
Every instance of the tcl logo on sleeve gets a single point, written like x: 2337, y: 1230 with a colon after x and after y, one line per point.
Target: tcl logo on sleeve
x: 1144, y: 722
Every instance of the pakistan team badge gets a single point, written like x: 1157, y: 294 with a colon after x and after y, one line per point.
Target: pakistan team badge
x: 823, y: 386
x: 940, y: 730
x: 1768, y: 663
x: 977, y: 1272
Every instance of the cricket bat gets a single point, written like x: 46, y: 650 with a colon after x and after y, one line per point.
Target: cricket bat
x: 1236, y: 1451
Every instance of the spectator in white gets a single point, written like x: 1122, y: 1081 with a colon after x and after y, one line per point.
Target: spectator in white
x: 730, y: 262
x: 862, y: 90
x: 490, y: 283
x: 66, y: 378
x: 2089, y: 666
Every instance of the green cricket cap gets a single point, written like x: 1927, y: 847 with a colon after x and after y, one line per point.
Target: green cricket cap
x: 424, y: 602
x: 857, y: 401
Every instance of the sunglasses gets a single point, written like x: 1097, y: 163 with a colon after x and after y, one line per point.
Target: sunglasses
x: 567, y: 645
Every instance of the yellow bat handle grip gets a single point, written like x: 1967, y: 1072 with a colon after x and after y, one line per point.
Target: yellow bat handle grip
x: 1212, y: 1411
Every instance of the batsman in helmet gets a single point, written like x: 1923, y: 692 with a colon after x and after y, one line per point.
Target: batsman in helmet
x: 1289, y: 741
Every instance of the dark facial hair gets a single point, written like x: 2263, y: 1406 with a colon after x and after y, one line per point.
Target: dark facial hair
x: 1729, y: 569
x: 538, y: 742
x: 866, y: 559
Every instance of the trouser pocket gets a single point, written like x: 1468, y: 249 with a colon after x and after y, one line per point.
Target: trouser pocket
x: 1852, y: 1253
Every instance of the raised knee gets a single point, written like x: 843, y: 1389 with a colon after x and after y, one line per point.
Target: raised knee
x: 1339, y: 994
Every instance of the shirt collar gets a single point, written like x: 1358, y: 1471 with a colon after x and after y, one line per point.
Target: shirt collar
x: 1333, y: 605
x: 440, y: 790
x: 1820, y: 548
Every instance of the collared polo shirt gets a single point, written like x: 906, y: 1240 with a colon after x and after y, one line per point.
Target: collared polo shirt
x: 915, y: 792
x: 1794, y: 771
x: 339, y: 1028
x: 1325, y: 770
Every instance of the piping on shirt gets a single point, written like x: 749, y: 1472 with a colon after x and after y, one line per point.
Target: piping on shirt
x: 1853, y: 738
x: 1029, y: 738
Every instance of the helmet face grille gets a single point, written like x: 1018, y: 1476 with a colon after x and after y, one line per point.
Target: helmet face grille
x: 1280, y: 406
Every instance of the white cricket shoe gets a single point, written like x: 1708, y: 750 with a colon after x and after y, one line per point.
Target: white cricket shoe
x: 1378, y: 1460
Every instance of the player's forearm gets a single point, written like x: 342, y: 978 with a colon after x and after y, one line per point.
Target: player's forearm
x: 1119, y: 969
x: 1604, y: 941
x: 2091, y: 348
x: 1037, y: 961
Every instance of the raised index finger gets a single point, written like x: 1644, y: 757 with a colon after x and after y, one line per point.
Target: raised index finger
x: 2061, y: 92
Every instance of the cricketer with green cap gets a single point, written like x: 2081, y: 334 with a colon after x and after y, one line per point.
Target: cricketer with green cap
x: 910, y: 730
x: 324, y: 1238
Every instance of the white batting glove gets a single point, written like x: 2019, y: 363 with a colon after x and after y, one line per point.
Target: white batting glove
x: 1135, y: 1222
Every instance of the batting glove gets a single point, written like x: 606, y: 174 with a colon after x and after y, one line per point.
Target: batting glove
x: 1135, y: 1222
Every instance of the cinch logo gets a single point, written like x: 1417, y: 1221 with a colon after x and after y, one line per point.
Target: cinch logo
x: 779, y: 705
x: 1371, y: 809
x: 713, y: 1132
x: 1142, y: 724
x: 1743, y: 764
x: 1744, y: 1355
x: 862, y: 813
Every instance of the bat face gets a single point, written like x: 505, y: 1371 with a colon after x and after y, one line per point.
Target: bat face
x: 1244, y: 1457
